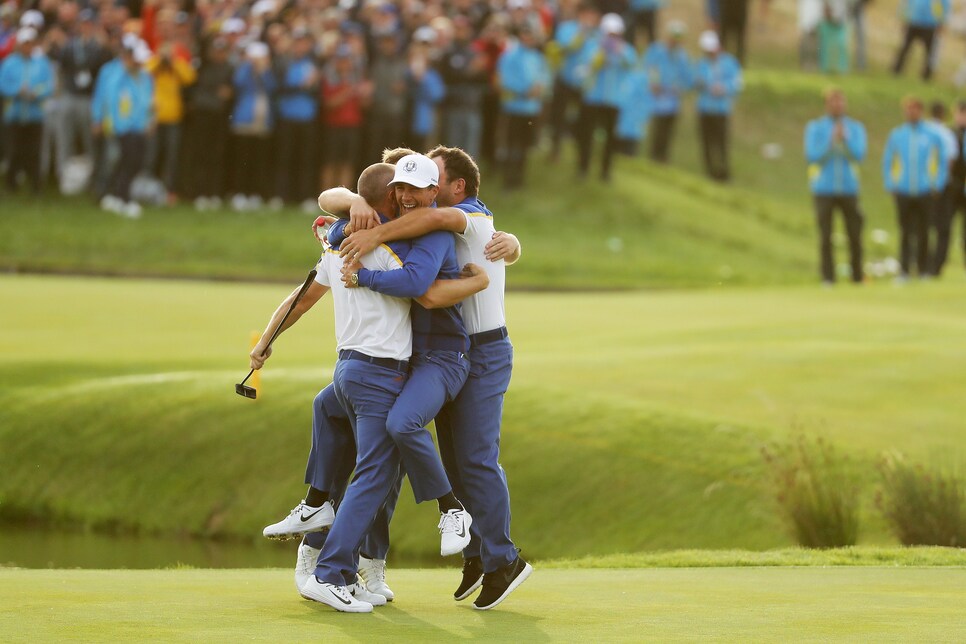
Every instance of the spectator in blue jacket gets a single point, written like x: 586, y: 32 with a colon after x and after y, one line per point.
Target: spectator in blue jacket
x: 913, y: 168
x: 127, y: 95
x: 523, y: 77
x: 642, y: 17
x: 606, y: 64
x: 669, y: 73
x: 426, y: 89
x: 298, y: 112
x: 717, y: 77
x: 252, y: 123
x: 923, y: 19
x: 26, y: 82
x: 567, y: 49
x: 834, y: 147
x: 635, y: 110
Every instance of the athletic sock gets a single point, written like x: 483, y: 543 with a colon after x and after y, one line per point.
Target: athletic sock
x: 448, y: 502
x: 315, y: 498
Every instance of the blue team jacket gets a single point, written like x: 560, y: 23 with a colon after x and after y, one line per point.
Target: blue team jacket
x: 429, y: 257
x: 295, y: 102
x: 32, y: 72
x: 520, y: 69
x: 247, y: 85
x: 672, y: 70
x: 724, y: 70
x: 925, y: 13
x: 912, y: 163
x: 833, y: 169
x: 636, y: 105
x: 645, y: 5
x: 572, y: 40
x: 123, y: 103
x: 426, y: 93
x: 606, y: 68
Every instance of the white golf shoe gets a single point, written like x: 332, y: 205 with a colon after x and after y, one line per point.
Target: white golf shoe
x: 338, y: 597
x: 373, y: 573
x: 454, y: 531
x: 359, y: 591
x: 302, y: 519
x: 305, y: 564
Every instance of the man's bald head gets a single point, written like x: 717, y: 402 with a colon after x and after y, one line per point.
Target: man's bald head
x: 373, y: 185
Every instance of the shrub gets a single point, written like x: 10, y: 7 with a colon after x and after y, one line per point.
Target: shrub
x: 923, y: 507
x: 816, y: 492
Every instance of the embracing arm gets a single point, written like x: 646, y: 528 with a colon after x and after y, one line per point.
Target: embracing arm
x: 503, y: 246
x: 415, y: 224
x: 418, y: 272
x: 314, y: 293
x: 446, y: 293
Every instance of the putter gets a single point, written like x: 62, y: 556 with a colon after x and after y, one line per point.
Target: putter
x: 249, y: 392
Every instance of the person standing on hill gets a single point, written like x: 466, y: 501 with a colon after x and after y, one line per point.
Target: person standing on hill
x: 608, y: 61
x: 924, y: 19
x: 26, y: 82
x: 668, y: 69
x: 949, y: 193
x: 913, y: 169
x: 566, y: 52
x: 834, y: 146
x: 717, y: 77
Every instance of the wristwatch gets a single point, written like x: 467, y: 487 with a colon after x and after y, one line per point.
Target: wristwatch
x: 354, y: 278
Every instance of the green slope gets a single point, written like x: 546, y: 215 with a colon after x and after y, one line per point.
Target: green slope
x: 634, y: 421
x: 722, y: 604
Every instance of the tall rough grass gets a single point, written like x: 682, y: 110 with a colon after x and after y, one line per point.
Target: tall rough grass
x: 923, y: 507
x: 816, y: 492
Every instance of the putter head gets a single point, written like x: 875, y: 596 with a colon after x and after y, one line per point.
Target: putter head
x: 246, y: 391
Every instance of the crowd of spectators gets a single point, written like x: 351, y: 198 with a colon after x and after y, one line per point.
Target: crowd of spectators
x: 264, y: 102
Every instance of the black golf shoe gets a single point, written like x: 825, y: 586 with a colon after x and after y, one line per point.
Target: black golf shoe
x: 472, y: 578
x: 497, y: 585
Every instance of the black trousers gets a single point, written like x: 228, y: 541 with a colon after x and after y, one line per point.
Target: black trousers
x: 593, y: 117
x: 927, y: 35
x: 951, y: 203
x: 295, y: 165
x: 252, y: 163
x: 848, y: 205
x: 915, y: 215
x: 491, y: 123
x: 565, y: 101
x: 207, y: 140
x: 23, y: 141
x: 734, y: 25
x: 518, y: 131
x: 661, y: 131
x: 714, y: 145
x: 134, y: 148
x: 641, y: 21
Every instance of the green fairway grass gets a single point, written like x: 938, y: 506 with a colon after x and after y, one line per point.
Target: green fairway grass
x: 634, y: 421
x: 719, y: 604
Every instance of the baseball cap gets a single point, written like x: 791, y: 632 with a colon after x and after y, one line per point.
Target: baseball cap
x: 32, y: 18
x: 233, y: 26
x: 257, y: 49
x: 425, y: 34
x: 611, y: 23
x: 26, y: 34
x: 417, y: 170
x: 518, y: 4
x: 708, y: 41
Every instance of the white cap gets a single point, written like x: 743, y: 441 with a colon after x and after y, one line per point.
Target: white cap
x: 142, y: 53
x: 708, y: 41
x: 26, y: 34
x: 611, y: 23
x: 233, y: 26
x: 417, y: 170
x: 32, y: 18
x: 518, y: 4
x: 425, y: 34
x: 257, y: 49
x: 262, y: 7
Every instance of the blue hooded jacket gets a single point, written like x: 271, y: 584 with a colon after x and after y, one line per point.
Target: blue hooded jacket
x: 833, y: 168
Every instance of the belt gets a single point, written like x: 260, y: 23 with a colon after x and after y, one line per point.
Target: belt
x: 488, y: 336
x: 388, y: 363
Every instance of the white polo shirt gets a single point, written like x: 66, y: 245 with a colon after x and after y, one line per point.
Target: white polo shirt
x: 483, y: 311
x: 365, y: 321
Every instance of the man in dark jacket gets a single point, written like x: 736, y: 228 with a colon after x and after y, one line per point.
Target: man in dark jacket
x: 209, y: 103
x: 465, y: 76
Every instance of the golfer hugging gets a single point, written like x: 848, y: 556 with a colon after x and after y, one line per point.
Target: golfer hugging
x: 417, y: 274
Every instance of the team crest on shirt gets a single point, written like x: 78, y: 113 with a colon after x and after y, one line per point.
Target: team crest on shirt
x: 410, y: 166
